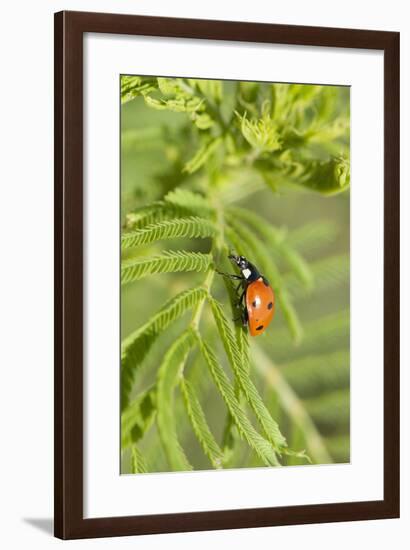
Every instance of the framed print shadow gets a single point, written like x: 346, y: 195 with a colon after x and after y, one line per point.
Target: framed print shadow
x: 226, y: 275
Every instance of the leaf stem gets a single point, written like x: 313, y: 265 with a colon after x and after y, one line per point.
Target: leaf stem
x: 197, y: 312
x: 216, y: 249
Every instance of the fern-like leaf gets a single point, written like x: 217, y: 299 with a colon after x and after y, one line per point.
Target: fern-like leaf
x: 240, y: 370
x: 179, y: 203
x: 182, y: 227
x: 146, y: 215
x: 260, y: 445
x: 262, y: 134
x: 202, y: 155
x: 138, y: 465
x: 200, y: 425
x: 138, y: 417
x: 133, y: 86
x: 191, y: 202
x: 169, y: 262
x: 168, y: 376
x: 136, y: 346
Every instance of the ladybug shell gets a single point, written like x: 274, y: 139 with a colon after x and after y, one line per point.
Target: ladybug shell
x: 260, y: 304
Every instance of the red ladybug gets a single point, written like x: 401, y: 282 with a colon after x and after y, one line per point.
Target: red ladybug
x: 257, y: 299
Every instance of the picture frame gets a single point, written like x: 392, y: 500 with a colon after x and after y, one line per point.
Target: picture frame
x: 70, y: 29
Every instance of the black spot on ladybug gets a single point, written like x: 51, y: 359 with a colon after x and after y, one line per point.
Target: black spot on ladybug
x: 260, y: 327
x: 270, y: 305
x: 254, y: 303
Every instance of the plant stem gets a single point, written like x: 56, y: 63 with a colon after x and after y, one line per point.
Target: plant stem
x: 216, y: 249
x: 197, y: 312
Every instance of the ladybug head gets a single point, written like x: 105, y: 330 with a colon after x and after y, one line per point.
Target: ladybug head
x: 240, y: 261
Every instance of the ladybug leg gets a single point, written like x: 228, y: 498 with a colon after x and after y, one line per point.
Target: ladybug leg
x: 230, y: 275
x: 244, y: 317
x: 239, y: 286
x: 240, y: 299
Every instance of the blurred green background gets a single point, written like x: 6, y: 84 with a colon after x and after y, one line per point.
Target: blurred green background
x: 304, y: 384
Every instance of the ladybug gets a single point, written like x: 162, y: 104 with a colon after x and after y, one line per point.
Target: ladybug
x: 257, y: 299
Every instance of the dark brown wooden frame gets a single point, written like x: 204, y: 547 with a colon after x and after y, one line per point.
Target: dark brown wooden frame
x: 69, y: 30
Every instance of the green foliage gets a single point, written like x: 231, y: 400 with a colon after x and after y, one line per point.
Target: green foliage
x: 263, y: 449
x: 138, y: 465
x: 200, y: 425
x: 135, y: 347
x: 241, y: 372
x: 182, y: 227
x: 262, y: 134
x: 137, y: 418
x: 170, y: 261
x: 227, y: 151
x: 168, y: 375
x: 202, y: 155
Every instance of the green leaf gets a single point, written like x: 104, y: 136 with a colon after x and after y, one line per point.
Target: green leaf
x: 297, y: 454
x: 181, y: 227
x: 209, y: 88
x: 157, y: 104
x: 329, y: 177
x: 133, y: 86
x: 262, y: 134
x: 136, y: 346
x: 146, y: 215
x: 202, y: 155
x: 169, y: 262
x: 178, y: 203
x: 169, y: 86
x: 241, y: 371
x: 260, y: 445
x: 138, y: 417
x: 168, y: 377
x: 203, y: 121
x: 181, y: 104
x: 189, y: 201
x: 138, y: 465
x: 200, y: 425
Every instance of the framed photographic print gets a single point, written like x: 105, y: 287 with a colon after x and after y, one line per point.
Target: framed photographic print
x: 227, y: 275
